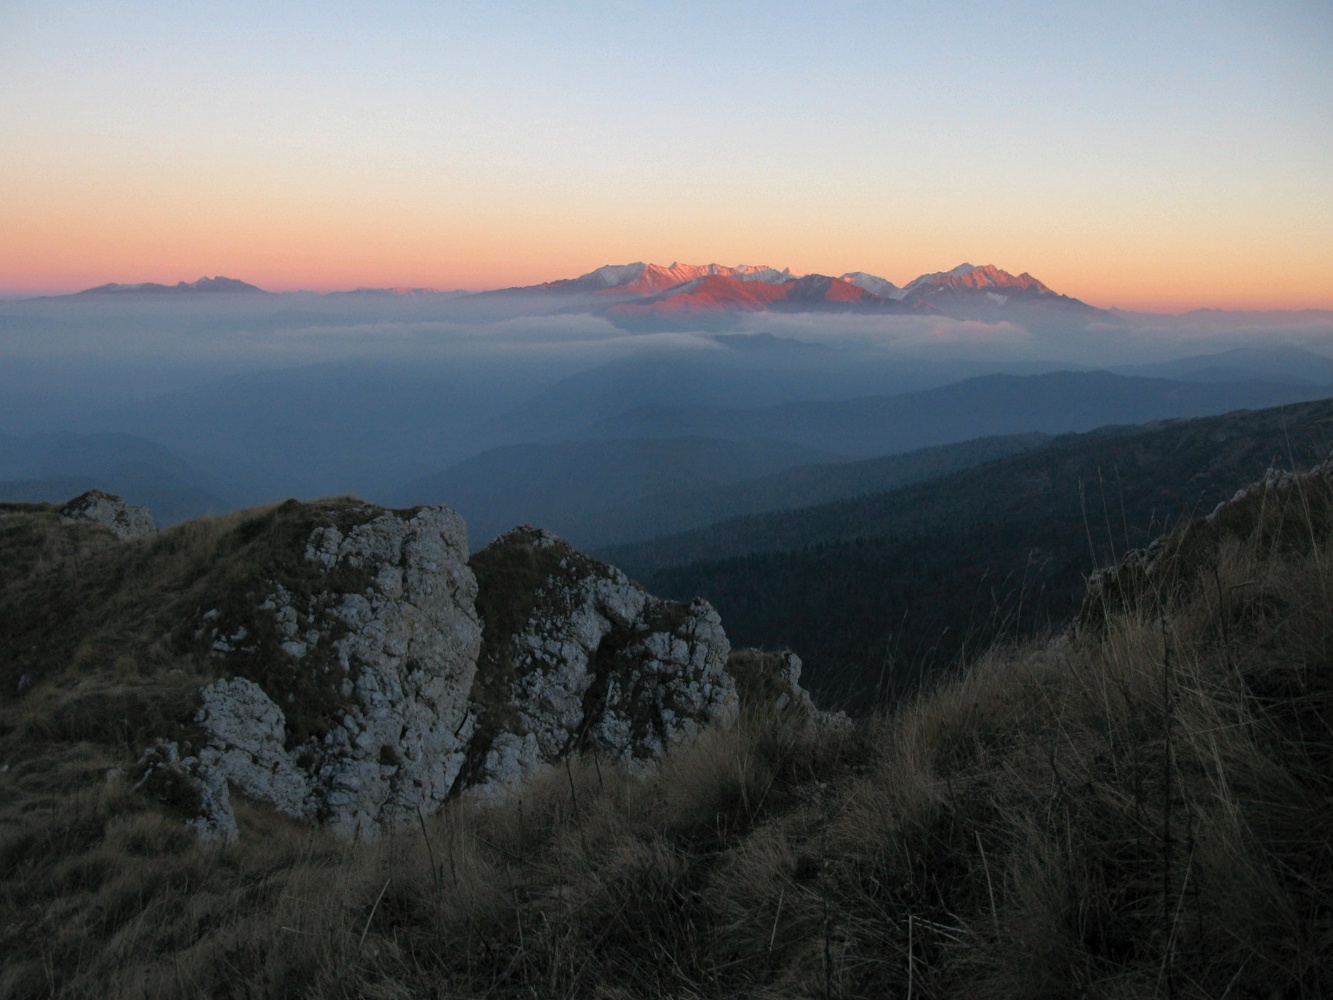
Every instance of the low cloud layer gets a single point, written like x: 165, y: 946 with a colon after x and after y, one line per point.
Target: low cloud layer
x: 889, y: 333
x: 61, y: 356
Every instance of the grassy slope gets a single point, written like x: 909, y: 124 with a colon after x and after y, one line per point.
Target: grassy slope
x: 1143, y: 809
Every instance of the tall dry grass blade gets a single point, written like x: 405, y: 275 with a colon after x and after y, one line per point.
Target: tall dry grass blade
x: 371, y: 916
x: 990, y: 888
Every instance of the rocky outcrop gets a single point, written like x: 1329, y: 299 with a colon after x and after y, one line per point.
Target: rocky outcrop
x: 189, y: 787
x: 1279, y: 480
x: 365, y: 670
x: 581, y: 658
x: 124, y: 520
x: 344, y: 699
x: 773, y: 679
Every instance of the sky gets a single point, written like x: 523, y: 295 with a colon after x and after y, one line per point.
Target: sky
x: 1164, y: 156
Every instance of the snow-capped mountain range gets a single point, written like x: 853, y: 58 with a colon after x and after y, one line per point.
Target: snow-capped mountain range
x: 648, y: 279
x: 654, y: 292
x: 657, y: 294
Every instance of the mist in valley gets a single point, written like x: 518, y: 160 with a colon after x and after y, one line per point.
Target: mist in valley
x: 190, y: 403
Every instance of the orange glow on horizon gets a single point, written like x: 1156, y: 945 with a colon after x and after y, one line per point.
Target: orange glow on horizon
x: 55, y: 273
x: 477, y: 149
x: 49, y: 247
x: 38, y: 282
x: 64, y: 228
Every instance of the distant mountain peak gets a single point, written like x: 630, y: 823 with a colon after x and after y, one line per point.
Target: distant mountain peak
x: 614, y: 275
x: 649, y: 279
x: 707, y: 293
x: 215, y: 284
x: 873, y: 284
x: 985, y: 277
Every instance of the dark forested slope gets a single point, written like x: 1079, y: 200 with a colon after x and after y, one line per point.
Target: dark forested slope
x: 877, y: 592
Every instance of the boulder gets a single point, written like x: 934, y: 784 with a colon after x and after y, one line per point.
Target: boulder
x: 581, y: 658
x: 345, y: 695
x: 124, y: 520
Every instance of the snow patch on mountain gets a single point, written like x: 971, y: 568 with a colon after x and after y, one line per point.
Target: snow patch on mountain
x: 935, y: 277
x: 616, y: 275
x: 874, y: 284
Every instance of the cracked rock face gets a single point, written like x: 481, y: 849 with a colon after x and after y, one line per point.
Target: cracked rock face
x: 124, y: 520
x: 352, y: 705
x: 590, y: 661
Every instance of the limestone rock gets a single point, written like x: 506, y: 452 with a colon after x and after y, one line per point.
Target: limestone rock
x: 185, y: 785
x: 773, y: 679
x: 588, y: 660
x: 124, y: 520
x: 364, y: 670
x: 247, y: 736
x: 346, y: 700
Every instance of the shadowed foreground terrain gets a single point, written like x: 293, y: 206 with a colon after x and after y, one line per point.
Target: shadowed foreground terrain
x: 1142, y: 806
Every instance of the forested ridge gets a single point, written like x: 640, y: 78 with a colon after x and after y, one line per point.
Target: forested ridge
x: 877, y: 592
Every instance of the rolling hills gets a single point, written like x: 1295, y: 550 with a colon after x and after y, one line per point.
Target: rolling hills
x: 988, y: 405
x: 681, y: 509
x: 48, y: 467
x: 660, y: 468
x: 564, y: 486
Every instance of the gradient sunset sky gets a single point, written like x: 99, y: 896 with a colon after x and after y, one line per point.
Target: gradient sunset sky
x: 1161, y: 155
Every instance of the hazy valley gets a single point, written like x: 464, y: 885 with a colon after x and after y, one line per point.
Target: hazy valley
x: 261, y: 396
